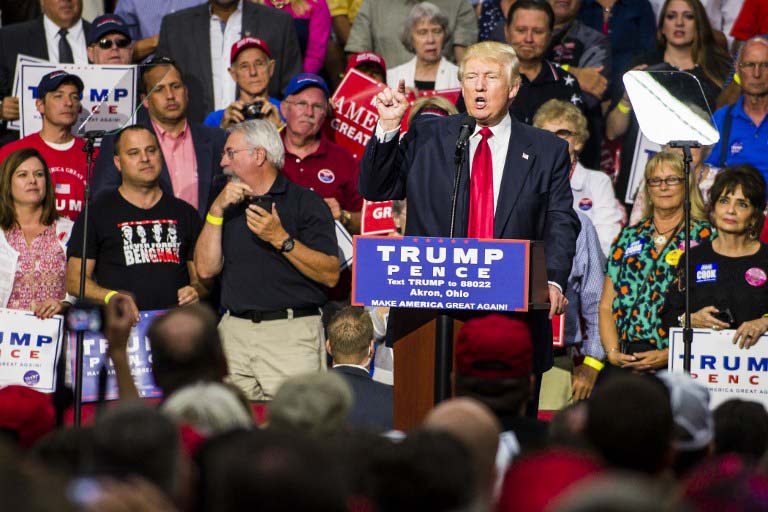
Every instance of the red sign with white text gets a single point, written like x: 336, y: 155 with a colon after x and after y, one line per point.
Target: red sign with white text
x: 354, y: 105
x: 377, y: 218
x: 558, y: 331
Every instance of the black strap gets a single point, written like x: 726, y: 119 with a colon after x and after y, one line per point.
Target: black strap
x: 725, y: 137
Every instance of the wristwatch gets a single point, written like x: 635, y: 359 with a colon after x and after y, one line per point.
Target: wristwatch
x: 287, y: 245
x: 345, y: 217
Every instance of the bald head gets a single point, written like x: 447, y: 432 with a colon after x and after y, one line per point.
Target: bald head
x: 477, y: 428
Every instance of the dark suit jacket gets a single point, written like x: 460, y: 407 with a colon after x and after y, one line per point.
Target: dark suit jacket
x: 209, y: 144
x: 185, y: 36
x: 372, y: 408
x: 535, y: 201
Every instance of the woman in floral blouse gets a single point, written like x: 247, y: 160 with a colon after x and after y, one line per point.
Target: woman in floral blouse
x: 32, y: 237
x: 641, y: 267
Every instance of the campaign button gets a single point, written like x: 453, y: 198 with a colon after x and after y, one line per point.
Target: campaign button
x: 755, y: 276
x: 585, y: 204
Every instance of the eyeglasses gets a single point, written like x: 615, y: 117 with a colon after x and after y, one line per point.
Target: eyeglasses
x: 230, y: 153
x: 671, y: 181
x: 752, y: 65
x: 106, y: 44
x: 303, y: 105
x: 257, y: 64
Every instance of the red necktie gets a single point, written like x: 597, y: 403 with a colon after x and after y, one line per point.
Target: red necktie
x: 481, y: 190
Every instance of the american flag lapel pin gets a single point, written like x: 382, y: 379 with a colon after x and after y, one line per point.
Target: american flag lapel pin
x: 525, y: 155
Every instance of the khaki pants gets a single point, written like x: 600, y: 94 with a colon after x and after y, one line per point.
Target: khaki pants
x: 262, y: 355
x: 556, y: 389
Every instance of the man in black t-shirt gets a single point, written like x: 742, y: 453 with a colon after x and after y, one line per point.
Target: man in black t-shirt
x: 140, y: 240
x: 274, y: 244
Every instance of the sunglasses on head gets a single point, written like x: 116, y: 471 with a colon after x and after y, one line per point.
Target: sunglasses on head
x: 106, y: 44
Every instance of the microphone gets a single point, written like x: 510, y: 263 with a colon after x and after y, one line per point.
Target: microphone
x: 465, y: 132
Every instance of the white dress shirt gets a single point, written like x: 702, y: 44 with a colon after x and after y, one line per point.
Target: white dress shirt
x: 223, y: 36
x: 593, y: 196
x: 76, y: 38
x: 447, y: 75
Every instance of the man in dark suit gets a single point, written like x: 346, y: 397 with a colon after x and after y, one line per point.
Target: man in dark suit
x: 350, y: 343
x: 186, y: 36
x: 57, y: 36
x: 518, y: 186
x: 191, y: 152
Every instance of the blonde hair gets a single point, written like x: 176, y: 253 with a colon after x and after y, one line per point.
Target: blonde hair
x: 559, y: 110
x: 431, y: 101
x: 498, y: 52
x: 675, y: 162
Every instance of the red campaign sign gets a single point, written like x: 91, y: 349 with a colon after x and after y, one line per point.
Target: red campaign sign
x: 558, y: 331
x: 377, y: 218
x: 355, y: 112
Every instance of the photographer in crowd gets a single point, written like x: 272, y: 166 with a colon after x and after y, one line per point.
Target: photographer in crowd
x: 251, y: 67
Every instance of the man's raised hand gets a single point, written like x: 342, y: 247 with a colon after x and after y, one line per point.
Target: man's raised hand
x: 392, y: 105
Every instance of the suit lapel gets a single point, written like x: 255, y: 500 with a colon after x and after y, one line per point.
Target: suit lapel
x: 38, y: 41
x: 203, y: 148
x: 516, y: 169
x: 462, y: 200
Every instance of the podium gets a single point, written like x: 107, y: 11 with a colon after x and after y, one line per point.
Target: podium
x: 424, y: 341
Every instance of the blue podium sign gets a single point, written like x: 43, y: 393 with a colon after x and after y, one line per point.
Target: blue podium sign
x: 441, y: 273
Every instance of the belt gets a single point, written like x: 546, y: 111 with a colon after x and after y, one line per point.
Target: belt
x: 281, y: 314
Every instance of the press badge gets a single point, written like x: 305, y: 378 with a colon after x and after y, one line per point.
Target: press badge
x: 706, y: 273
x: 635, y: 247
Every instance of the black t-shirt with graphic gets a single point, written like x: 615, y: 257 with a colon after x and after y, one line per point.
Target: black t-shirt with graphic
x: 143, y: 251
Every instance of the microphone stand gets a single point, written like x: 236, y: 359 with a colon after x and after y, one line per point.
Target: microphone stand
x: 90, y: 139
x: 686, y: 146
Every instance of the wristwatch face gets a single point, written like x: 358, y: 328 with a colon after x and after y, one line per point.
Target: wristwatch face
x: 287, y: 245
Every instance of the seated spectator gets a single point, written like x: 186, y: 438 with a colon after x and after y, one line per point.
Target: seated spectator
x: 631, y: 328
x: 350, y: 344
x: 725, y: 482
x: 251, y: 67
x: 109, y: 41
x: 140, y: 239
x: 528, y: 31
x: 369, y: 64
x: 424, y: 31
x: 378, y: 26
x: 312, y: 21
x: 684, y: 43
x: 630, y: 423
x: 475, y: 425
x: 743, y: 132
x: 316, y: 404
x: 191, y: 152
x: 424, y: 108
x: 58, y: 102
x: 208, y: 407
x: 185, y: 36
x: 592, y: 190
x: 33, y: 238
x: 730, y: 290
x: 741, y: 428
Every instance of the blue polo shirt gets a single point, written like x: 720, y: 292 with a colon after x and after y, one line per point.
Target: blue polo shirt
x: 747, y: 143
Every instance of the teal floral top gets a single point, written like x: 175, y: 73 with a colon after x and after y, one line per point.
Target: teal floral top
x: 640, y: 300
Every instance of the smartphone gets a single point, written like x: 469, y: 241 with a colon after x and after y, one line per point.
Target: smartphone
x: 266, y: 201
x: 85, y: 317
x: 724, y: 316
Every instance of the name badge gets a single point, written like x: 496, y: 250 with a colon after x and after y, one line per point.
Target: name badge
x: 706, y: 273
x: 635, y: 247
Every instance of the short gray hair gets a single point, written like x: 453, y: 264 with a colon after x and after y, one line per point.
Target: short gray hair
x: 260, y: 133
x: 422, y: 10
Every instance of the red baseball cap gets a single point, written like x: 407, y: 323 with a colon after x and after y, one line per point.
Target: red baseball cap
x: 365, y: 57
x: 494, y: 347
x: 248, y: 42
x: 27, y: 412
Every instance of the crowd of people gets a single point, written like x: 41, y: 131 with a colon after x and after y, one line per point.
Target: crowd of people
x: 223, y: 203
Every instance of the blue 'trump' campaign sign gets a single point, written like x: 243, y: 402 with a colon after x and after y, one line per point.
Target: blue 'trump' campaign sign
x: 441, y: 273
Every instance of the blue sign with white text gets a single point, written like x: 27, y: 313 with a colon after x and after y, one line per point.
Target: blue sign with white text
x: 441, y: 273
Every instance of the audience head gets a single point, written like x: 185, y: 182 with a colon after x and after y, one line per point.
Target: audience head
x: 726, y: 483
x: 109, y: 41
x: 314, y: 403
x: 350, y: 336
x: 738, y: 194
x: 494, y: 363
x: 209, y: 407
x: 616, y: 492
x: 568, y: 426
x: 478, y: 429
x: 167, y: 96
x: 25, y: 180
x: 370, y: 64
x: 529, y: 29
x: 565, y: 120
x: 63, y: 13
x: 251, y: 65
x: 534, y: 481
x: 26, y: 415
x: 305, y: 106
x: 661, y: 169
x: 65, y: 452
x: 253, y: 148
x: 430, y: 107
x: 186, y: 348
x: 754, y: 78
x: 741, y: 427
x: 490, y: 80
x: 138, y: 157
x: 630, y: 423
x: 565, y: 11
x: 25, y: 486
x: 58, y: 99
x: 425, y: 31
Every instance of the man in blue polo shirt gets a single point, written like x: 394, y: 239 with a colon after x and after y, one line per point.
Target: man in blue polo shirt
x: 743, y: 127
